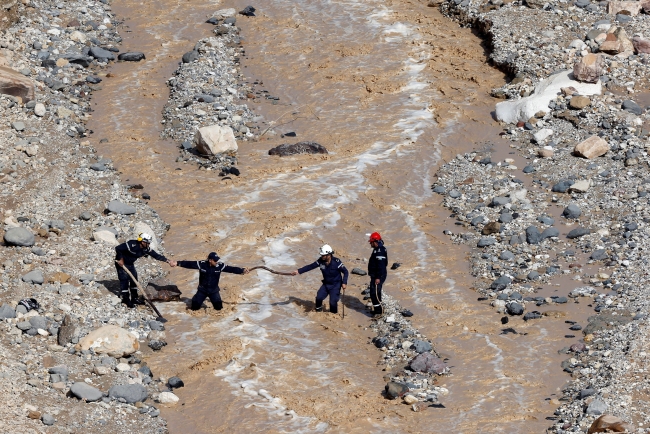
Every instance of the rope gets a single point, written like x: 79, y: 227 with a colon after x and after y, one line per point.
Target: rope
x: 268, y: 269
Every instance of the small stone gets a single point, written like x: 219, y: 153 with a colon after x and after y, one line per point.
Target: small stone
x: 35, y: 277
x: 167, y: 398
x: 572, y: 211
x: 395, y: 390
x: 19, y: 237
x: 589, y: 68
x: 427, y: 363
x: 514, y: 308
x: 491, y: 228
x: 117, y: 207
x: 358, y: 271
x: 421, y: 346
x: 597, y: 407
x: 39, y: 110
x: 632, y: 107
x: 486, y: 241
x: 577, y: 233
x: 131, y: 393
x: 175, y: 382
x: 593, y: 147
x: 410, y: 399
x: 132, y: 56
x: 86, y: 392
x: 48, y: 419
x: 609, y: 423
x: 579, y: 102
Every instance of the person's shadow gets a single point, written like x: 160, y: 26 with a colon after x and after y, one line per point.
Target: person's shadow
x: 112, y: 286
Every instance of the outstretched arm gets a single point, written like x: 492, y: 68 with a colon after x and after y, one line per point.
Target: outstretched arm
x: 234, y: 270
x: 306, y: 268
x: 157, y: 256
x: 192, y: 265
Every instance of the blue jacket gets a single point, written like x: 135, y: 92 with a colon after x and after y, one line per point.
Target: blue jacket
x: 331, y: 273
x: 209, y: 275
x: 131, y: 251
x: 378, y: 261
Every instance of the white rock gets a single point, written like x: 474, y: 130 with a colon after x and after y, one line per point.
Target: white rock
x: 545, y: 91
x: 111, y: 340
x: 410, y: 399
x: 580, y: 186
x: 78, y: 37
x: 225, y: 13
x: 406, y: 345
x: 100, y: 370
x: 39, y: 109
x: 578, y: 44
x: 390, y: 318
x: 215, y: 139
x: 42, y: 332
x: 55, y: 32
x: 167, y: 398
x: 107, y: 237
x: 543, y: 134
x: 123, y: 367
x: 518, y: 195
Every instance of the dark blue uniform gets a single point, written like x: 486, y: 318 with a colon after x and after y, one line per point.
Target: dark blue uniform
x: 377, y: 270
x: 208, y: 281
x: 131, y: 251
x: 334, y: 275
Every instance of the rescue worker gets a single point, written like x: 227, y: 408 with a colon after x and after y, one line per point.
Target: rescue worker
x: 377, y: 265
x: 209, y: 274
x: 335, y: 278
x: 125, y: 255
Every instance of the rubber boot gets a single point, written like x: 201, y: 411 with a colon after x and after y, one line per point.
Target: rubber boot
x: 126, y: 299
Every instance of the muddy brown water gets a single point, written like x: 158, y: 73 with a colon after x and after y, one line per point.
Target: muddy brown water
x: 396, y: 89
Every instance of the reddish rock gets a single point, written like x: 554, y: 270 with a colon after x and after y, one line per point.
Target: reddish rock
x: 491, y: 228
x: 15, y: 84
x: 640, y: 44
x: 427, y: 362
x: 578, y: 347
x: 609, y: 423
x: 593, y: 147
x: 589, y: 68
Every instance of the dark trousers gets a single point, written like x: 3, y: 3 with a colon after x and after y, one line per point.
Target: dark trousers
x: 334, y: 292
x: 126, y: 283
x: 202, y: 294
x: 375, y: 294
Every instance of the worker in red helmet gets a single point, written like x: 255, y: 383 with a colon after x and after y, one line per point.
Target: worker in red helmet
x: 377, y: 270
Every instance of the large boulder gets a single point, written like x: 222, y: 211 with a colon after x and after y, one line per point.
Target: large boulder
x: 525, y: 108
x: 101, y: 54
x: 86, y: 392
x: 35, y: 276
x: 133, y: 56
x: 609, y: 423
x: 16, y: 84
x: 105, y: 236
x: 131, y: 393
x: 19, y: 237
x: 427, y: 362
x: 641, y: 45
x: 111, y: 340
x: 593, y: 147
x: 298, y: 148
x: 161, y: 289
x: 7, y: 311
x: 589, y: 68
x: 215, y: 139
x: 118, y: 207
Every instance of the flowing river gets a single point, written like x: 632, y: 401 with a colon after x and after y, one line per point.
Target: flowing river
x: 392, y: 89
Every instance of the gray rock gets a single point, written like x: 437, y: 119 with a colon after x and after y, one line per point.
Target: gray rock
x: 48, y: 419
x: 38, y: 322
x: 623, y: 18
x: 577, y: 233
x: 421, y: 346
x: 533, y: 275
x: 7, y: 311
x: 507, y: 256
x: 586, y: 393
x: 101, y: 54
x: 35, y: 276
x: 21, y: 309
x: 57, y: 224
x: 439, y: 189
x: 562, y: 186
x: 395, y: 390
x: 18, y: 126
x: 499, y: 201
x: 632, y: 226
x: 190, y: 56
x: 24, y: 325
x: 455, y: 194
x: 38, y: 251
x: 572, y: 211
x: 118, y: 207
x: 632, y: 107
x: 19, y: 237
x: 549, y: 233
x: 532, y: 235
x: 514, y: 308
x: 505, y: 218
x: 78, y: 59
x: 478, y: 220
x: 528, y: 169
x: 599, y: 255
x: 561, y: 300
x: 175, y: 382
x: 86, y: 392
x: 146, y: 371
x: 532, y: 315
x: 427, y: 363
x: 131, y: 393
x: 546, y: 220
x: 486, y: 241
x: 597, y: 407
x: 132, y: 56
x: 501, y: 283
x: 98, y: 167
x: 68, y: 289
x: 358, y: 271
x: 156, y: 325
x: 85, y: 216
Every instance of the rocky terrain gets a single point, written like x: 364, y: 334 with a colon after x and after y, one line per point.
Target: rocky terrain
x: 563, y: 191
x: 63, y: 210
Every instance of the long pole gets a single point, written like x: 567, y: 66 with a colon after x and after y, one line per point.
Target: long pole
x: 343, y: 303
x: 144, y: 294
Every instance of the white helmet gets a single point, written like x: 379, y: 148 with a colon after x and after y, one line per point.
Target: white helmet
x: 145, y: 237
x: 326, y: 250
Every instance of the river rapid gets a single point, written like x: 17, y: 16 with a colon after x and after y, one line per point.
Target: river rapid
x: 392, y: 89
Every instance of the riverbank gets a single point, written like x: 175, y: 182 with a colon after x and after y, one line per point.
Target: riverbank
x: 545, y: 213
x: 63, y: 209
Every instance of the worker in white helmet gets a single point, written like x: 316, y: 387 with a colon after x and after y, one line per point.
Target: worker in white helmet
x: 125, y: 256
x: 335, y: 278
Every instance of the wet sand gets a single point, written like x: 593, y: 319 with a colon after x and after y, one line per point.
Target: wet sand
x: 396, y: 89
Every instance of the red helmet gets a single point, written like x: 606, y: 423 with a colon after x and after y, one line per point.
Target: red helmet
x: 374, y: 237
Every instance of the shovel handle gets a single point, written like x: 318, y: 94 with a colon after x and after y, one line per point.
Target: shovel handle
x: 144, y: 294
